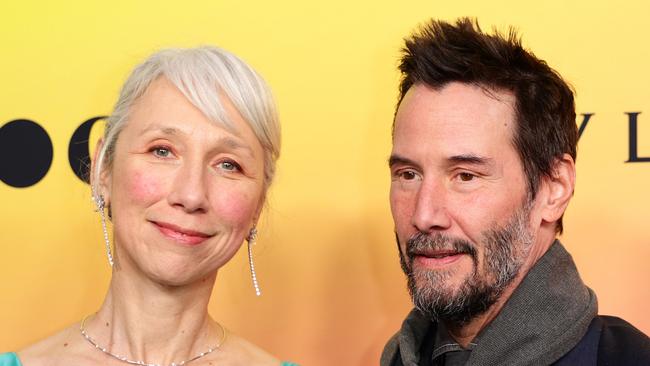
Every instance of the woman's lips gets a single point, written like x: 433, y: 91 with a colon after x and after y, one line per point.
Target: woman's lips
x: 181, y: 235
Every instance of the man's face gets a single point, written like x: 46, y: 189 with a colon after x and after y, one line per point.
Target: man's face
x: 458, y: 198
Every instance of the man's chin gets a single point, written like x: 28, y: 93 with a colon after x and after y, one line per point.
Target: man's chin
x: 449, y: 296
x: 436, y: 291
x: 450, y: 276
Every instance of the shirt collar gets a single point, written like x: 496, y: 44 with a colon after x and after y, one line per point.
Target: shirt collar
x: 444, y: 343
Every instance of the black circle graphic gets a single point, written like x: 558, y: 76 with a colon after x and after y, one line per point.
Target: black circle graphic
x: 78, y: 152
x: 25, y: 153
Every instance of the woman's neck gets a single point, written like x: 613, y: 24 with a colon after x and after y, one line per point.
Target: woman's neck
x: 147, y: 321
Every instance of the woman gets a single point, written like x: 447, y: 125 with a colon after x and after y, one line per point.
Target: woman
x: 182, y: 172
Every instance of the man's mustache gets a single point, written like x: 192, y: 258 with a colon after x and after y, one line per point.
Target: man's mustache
x: 421, y: 242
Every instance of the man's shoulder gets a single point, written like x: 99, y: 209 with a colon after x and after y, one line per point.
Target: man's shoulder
x: 403, y: 347
x: 621, y: 343
x: 390, y: 352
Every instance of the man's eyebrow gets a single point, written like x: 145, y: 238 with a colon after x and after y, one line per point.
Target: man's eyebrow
x: 469, y: 159
x: 395, y: 159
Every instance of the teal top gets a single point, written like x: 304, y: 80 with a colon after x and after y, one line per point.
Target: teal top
x: 11, y: 359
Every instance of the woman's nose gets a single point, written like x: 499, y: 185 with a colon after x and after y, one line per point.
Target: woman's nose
x: 188, y: 190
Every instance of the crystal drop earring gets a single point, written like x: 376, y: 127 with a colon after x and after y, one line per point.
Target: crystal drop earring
x: 99, y: 201
x: 252, y: 236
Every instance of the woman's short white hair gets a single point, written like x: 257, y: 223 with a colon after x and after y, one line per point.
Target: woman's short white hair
x: 202, y: 74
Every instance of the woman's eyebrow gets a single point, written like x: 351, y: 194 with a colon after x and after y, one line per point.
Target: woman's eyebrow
x: 167, y: 130
x: 227, y: 141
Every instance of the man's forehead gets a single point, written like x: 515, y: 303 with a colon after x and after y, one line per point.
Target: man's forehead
x: 459, y: 95
x: 458, y: 119
x: 456, y: 106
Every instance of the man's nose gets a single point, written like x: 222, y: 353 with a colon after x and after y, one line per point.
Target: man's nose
x: 189, y: 188
x: 431, y: 212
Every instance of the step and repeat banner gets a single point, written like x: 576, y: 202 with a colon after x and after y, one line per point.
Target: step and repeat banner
x: 333, y: 292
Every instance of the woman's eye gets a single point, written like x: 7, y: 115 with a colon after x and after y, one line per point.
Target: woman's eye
x: 161, y: 152
x: 229, y: 166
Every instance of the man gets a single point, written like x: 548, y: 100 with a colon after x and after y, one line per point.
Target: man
x: 483, y: 167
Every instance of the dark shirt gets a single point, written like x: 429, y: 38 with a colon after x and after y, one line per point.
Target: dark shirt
x: 440, y: 349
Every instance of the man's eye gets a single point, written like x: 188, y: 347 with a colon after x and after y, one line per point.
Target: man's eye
x: 406, y: 175
x: 466, y: 177
x: 161, y: 152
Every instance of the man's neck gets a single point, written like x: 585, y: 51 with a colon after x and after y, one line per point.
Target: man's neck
x: 465, y: 333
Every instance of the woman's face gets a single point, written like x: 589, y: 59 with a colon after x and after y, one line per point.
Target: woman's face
x: 184, y: 192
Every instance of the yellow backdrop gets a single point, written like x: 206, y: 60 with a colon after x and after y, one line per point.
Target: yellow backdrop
x: 327, y: 263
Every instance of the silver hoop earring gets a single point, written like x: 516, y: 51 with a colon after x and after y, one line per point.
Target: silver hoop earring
x: 252, y: 236
x: 99, y: 201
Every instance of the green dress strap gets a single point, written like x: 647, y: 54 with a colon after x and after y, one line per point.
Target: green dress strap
x: 283, y: 364
x: 9, y: 359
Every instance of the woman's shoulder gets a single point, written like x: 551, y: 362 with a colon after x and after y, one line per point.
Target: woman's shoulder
x: 59, y: 349
x: 242, y: 352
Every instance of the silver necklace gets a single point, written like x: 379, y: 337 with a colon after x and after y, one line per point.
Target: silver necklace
x: 90, y: 340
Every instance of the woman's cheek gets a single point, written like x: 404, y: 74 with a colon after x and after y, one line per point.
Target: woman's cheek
x: 143, y: 187
x: 236, y: 205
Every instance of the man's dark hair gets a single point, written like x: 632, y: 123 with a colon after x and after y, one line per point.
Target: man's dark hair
x: 440, y: 53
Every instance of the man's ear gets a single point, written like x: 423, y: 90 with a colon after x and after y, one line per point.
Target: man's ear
x: 559, y: 188
x: 100, y: 182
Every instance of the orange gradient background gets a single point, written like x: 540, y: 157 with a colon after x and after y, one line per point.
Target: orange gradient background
x: 326, y: 259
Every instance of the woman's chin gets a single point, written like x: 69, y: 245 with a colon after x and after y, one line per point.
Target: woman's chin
x: 171, y: 275
x: 179, y: 280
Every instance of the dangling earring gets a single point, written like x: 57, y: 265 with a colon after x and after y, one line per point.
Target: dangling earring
x: 99, y: 201
x: 252, y: 235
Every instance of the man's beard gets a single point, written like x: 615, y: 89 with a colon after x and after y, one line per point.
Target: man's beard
x: 505, y: 249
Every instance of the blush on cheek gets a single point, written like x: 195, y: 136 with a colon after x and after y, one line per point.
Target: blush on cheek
x: 143, y: 187
x: 237, y: 206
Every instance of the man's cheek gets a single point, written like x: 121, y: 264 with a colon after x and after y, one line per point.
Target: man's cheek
x: 397, y: 203
x: 402, y: 214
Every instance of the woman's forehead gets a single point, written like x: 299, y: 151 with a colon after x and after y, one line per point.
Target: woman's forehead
x: 164, y: 110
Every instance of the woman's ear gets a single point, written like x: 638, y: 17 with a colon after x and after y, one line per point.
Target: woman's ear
x: 101, y: 181
x: 260, y: 207
x: 256, y: 216
x: 559, y: 188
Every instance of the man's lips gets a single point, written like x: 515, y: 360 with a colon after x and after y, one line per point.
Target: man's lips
x: 436, y: 253
x: 180, y: 234
x: 436, y: 258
